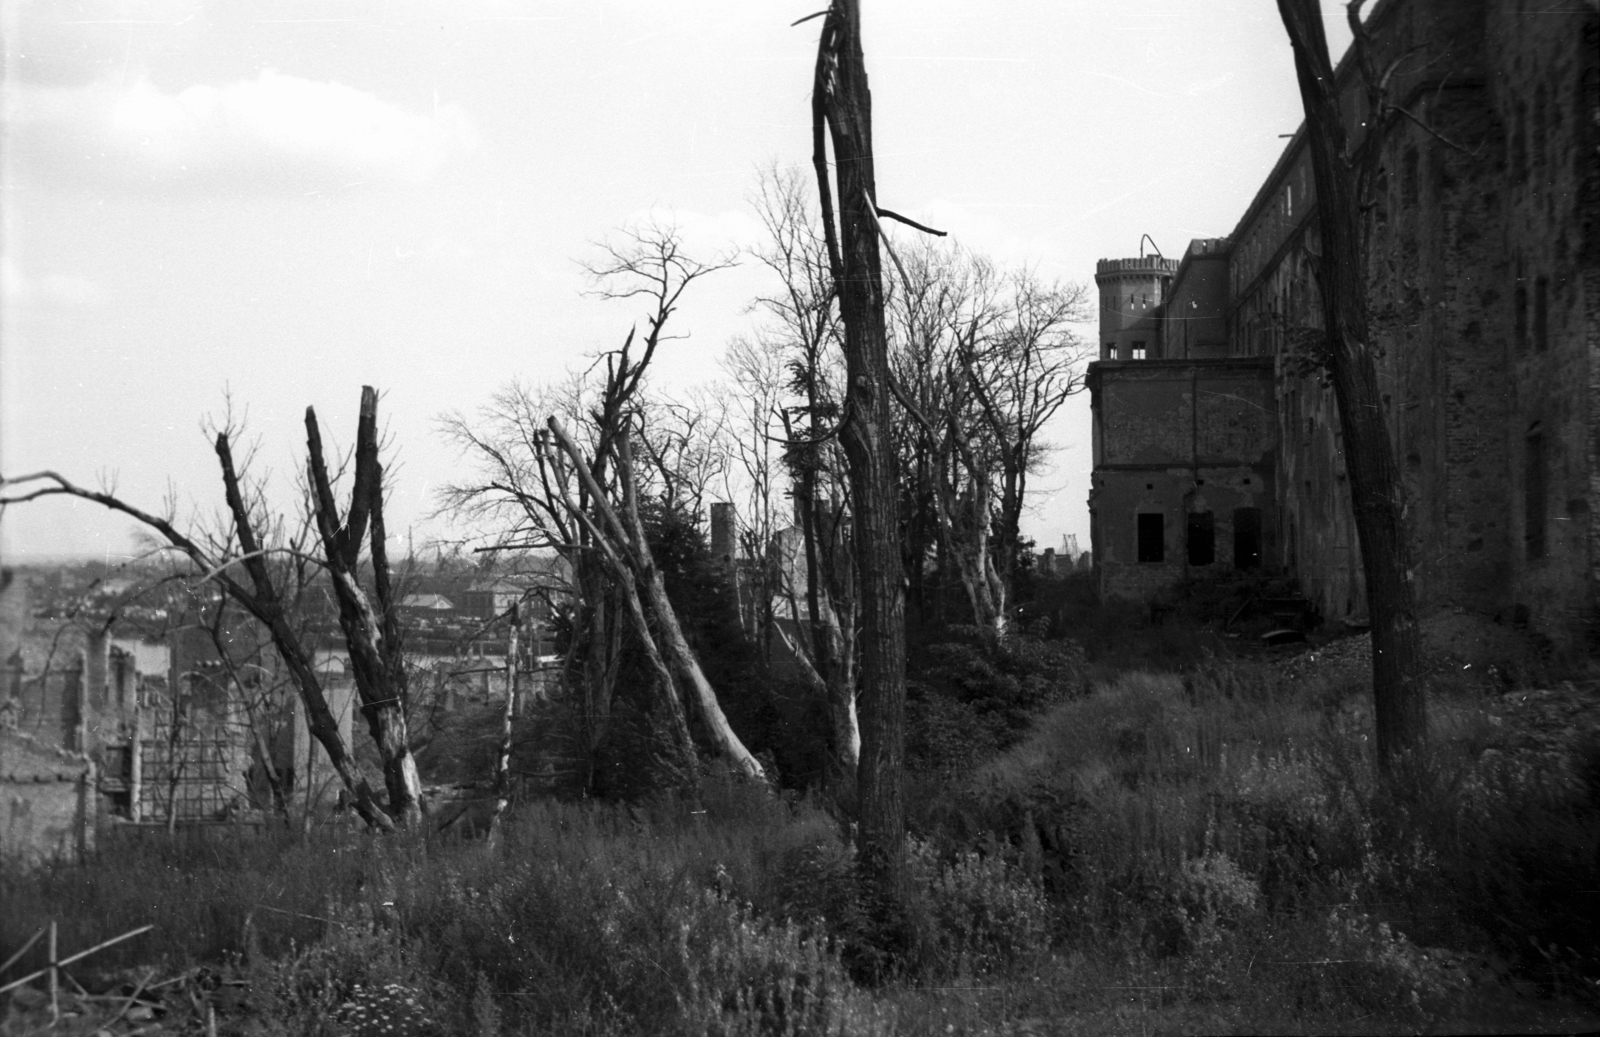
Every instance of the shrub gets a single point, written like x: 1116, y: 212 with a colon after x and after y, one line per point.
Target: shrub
x: 1382, y: 967
x: 988, y: 916
x: 360, y: 978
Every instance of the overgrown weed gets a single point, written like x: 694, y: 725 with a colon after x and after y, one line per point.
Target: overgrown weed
x: 1210, y: 851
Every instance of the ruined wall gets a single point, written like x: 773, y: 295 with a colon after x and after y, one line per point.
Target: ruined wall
x: 1545, y: 94
x: 1483, y: 239
x: 48, y: 705
x: 1175, y: 438
x: 47, y: 802
x: 14, y: 610
x: 1434, y: 275
x: 312, y: 781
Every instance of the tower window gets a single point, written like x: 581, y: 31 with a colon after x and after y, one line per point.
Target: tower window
x: 1246, y: 538
x: 1139, y: 351
x: 1152, y: 536
x: 1202, y: 538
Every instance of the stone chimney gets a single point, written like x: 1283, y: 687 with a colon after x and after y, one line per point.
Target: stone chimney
x: 96, y: 659
x: 724, y: 535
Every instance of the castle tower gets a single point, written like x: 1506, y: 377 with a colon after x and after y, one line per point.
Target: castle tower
x: 1131, y: 292
x: 724, y: 535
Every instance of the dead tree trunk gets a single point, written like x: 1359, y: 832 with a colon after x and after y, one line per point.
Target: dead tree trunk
x: 827, y: 653
x: 371, y: 634
x: 671, y: 631
x: 606, y: 534
x: 264, y: 602
x: 502, y: 770
x: 1375, y: 489
x: 267, y: 606
x: 842, y: 112
x: 633, y: 566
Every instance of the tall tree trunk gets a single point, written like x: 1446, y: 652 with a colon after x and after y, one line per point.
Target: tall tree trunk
x: 671, y: 631
x: 1375, y: 488
x: 614, y: 545
x: 502, y: 769
x: 601, y: 631
x: 829, y: 656
x: 267, y: 606
x: 371, y: 637
x: 842, y: 102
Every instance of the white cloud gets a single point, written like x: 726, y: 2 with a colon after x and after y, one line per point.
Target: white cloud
x: 276, y: 131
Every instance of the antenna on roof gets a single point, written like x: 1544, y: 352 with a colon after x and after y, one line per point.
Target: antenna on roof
x: 1144, y: 238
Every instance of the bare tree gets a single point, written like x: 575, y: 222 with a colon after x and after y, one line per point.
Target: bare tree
x: 804, y: 325
x: 842, y: 113
x: 502, y: 769
x: 371, y: 625
x: 1343, y: 168
x: 263, y: 597
x: 755, y: 484
x: 583, y: 497
x: 520, y: 493
x: 1021, y: 374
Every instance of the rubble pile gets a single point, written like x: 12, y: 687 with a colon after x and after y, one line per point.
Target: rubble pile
x: 1340, y: 660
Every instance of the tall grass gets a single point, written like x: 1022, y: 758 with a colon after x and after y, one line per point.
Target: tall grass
x: 1204, y: 852
x: 1231, y: 825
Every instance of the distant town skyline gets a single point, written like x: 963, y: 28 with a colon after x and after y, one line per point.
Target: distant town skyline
x: 277, y: 203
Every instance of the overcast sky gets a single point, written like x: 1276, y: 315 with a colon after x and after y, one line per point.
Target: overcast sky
x: 286, y: 199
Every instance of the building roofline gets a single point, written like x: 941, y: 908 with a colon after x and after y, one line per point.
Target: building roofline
x: 1223, y: 251
x: 1157, y: 265
x: 1342, y: 72
x: 1177, y: 362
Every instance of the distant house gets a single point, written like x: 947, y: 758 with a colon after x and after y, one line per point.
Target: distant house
x: 425, y: 603
x: 488, y: 598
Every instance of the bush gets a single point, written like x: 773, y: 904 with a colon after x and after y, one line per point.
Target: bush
x: 988, y: 917
x: 359, y: 979
x: 966, y: 699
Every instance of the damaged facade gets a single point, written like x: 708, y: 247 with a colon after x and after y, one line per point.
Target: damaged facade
x: 1483, y: 237
x: 191, y: 742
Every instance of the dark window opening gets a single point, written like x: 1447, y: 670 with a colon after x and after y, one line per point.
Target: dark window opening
x: 1152, y: 536
x: 1110, y: 353
x: 1533, y: 493
x: 1246, y: 538
x: 1541, y: 315
x: 1202, y: 538
x: 1520, y: 322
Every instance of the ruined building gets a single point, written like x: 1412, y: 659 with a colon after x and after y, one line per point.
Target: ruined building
x: 1217, y: 446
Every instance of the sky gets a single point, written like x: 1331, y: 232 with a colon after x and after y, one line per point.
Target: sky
x: 274, y: 202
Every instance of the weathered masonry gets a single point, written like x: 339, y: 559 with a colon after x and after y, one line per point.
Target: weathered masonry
x: 1483, y: 238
